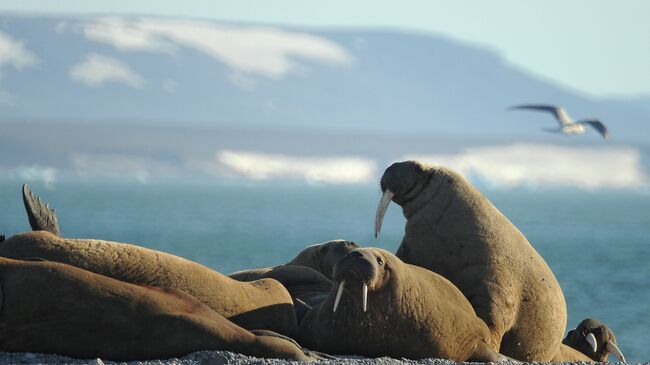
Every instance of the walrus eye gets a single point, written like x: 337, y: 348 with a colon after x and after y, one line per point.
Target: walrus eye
x: 380, y: 261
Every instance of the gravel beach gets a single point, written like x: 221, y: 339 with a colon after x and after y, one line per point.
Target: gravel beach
x: 216, y: 358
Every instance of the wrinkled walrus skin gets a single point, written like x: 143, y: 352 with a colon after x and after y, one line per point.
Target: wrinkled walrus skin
x: 411, y: 313
x: 452, y: 229
x: 50, y: 307
x: 262, y: 304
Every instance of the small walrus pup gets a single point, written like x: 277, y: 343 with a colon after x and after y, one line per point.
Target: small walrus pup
x: 260, y: 304
x: 453, y: 230
x: 384, y: 307
x: 593, y: 339
x: 51, y: 307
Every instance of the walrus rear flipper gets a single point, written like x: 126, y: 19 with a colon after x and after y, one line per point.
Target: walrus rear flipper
x: 485, y: 354
x: 310, y: 353
x: 41, y: 216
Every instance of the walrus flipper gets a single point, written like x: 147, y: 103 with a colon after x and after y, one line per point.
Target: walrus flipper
x: 41, y: 216
x: 310, y: 353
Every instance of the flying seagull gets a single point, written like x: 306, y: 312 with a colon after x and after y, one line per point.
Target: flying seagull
x: 568, y: 126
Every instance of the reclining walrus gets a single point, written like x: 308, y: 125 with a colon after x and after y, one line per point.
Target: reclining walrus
x: 320, y: 257
x: 51, y: 307
x: 592, y: 340
x: 262, y: 304
x: 307, y: 276
x: 453, y: 230
x: 384, y: 307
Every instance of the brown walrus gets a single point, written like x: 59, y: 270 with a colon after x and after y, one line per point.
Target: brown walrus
x: 51, y: 307
x: 307, y: 276
x: 453, y: 230
x: 384, y: 307
x: 594, y: 340
x: 261, y: 304
x: 320, y: 257
x: 307, y: 287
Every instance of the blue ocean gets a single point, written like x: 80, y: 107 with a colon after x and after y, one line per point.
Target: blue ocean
x: 597, y: 243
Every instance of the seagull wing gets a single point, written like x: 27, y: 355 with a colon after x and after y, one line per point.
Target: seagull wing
x: 558, y: 112
x: 597, y: 125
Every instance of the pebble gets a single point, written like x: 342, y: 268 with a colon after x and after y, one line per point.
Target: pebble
x: 218, y: 358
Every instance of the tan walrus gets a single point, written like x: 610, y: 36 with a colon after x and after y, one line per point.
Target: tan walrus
x: 306, y: 276
x: 320, y: 257
x: 51, y: 307
x: 384, y: 307
x: 593, y: 341
x: 261, y: 304
x: 452, y: 229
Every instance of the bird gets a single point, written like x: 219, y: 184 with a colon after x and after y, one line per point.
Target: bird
x: 568, y: 126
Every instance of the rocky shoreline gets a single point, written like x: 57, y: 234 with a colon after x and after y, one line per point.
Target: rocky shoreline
x: 214, y: 358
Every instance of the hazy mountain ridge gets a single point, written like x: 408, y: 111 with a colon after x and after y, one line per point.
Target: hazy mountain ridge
x: 150, y: 99
x: 390, y: 81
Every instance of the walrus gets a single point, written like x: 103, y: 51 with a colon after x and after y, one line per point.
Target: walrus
x: 593, y: 339
x: 261, y: 304
x: 307, y: 276
x: 385, y: 307
x: 453, y: 230
x: 51, y: 307
x: 307, y: 287
x: 320, y: 257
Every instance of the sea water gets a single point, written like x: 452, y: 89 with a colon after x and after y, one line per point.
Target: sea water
x: 597, y: 243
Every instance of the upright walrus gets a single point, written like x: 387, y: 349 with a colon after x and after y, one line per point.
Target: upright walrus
x: 51, y: 307
x: 261, y: 304
x: 384, y: 307
x: 453, y: 230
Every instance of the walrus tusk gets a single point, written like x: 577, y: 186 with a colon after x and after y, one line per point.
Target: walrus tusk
x: 611, y: 347
x: 338, y: 295
x: 365, y: 297
x: 381, y: 210
x: 591, y: 340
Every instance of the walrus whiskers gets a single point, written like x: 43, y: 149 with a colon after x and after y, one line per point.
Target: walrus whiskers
x: 338, y: 295
x: 381, y: 210
x: 365, y: 296
x: 591, y: 340
x: 611, y: 347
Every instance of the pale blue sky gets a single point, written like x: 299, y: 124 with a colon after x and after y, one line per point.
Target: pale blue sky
x: 599, y: 47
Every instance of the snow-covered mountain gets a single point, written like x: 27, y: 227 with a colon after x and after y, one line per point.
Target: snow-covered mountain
x: 164, y: 70
x: 154, y: 97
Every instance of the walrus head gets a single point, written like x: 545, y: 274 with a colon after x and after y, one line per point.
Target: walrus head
x: 358, y: 272
x: 323, y: 256
x: 402, y: 183
x: 594, y: 339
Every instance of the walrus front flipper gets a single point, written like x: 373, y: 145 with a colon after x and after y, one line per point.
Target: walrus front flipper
x: 41, y: 216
